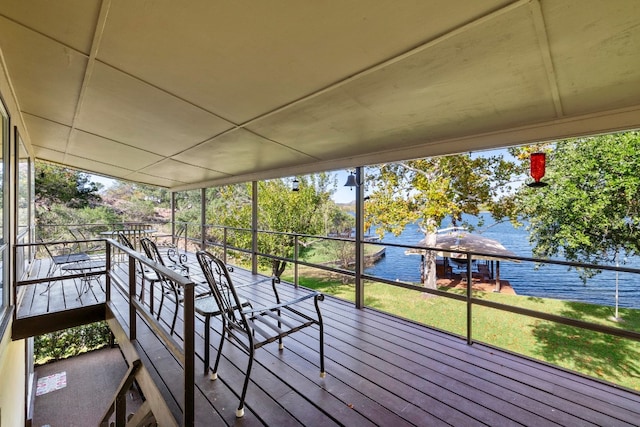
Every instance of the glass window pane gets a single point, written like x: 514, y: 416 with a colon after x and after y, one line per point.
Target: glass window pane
x: 23, y: 188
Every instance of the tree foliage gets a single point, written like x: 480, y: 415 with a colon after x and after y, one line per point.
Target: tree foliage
x: 65, y: 196
x: 56, y: 184
x: 590, y: 210
x: 307, y: 211
x: 137, y: 202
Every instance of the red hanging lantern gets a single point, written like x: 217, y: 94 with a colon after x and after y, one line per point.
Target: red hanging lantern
x: 537, y: 161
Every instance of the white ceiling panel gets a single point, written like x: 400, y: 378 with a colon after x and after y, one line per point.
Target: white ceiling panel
x: 71, y: 22
x: 50, y: 155
x: 92, y: 147
x: 485, y: 78
x: 153, y: 180
x: 125, y: 109
x: 47, y: 134
x: 181, y: 172
x: 589, y: 56
x: 98, y: 167
x: 241, y: 150
x: 254, y: 57
x: 46, y: 75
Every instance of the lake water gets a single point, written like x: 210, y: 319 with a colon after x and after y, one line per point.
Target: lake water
x: 550, y: 281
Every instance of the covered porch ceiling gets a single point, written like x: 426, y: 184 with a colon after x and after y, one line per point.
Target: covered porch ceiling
x: 190, y: 94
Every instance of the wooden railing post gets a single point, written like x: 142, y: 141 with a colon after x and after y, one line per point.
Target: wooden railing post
x: 203, y: 217
x: 469, y: 294
x: 224, y: 245
x: 189, y: 355
x: 254, y: 227
x: 132, y: 296
x: 359, y: 238
x: 295, y: 261
x: 108, y: 275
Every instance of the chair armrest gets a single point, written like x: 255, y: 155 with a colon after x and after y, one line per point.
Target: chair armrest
x: 319, y: 296
x: 266, y: 279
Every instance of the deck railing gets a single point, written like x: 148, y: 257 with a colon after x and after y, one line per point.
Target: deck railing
x: 183, y: 352
x: 225, y: 241
x: 235, y: 243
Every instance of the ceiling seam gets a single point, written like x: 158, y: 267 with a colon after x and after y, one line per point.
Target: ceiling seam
x: 545, y: 51
x: 97, y: 38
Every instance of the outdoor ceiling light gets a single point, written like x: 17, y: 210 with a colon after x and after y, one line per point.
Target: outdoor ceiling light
x: 537, y: 165
x: 295, y: 185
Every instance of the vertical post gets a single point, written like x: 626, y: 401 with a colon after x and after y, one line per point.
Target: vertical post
x: 203, y: 217
x: 189, y: 355
x: 254, y: 227
x: 173, y: 218
x: 224, y: 244
x: 359, y: 238
x: 107, y: 280
x: 132, y: 296
x: 469, y: 286
x: 295, y: 261
x: 497, y: 277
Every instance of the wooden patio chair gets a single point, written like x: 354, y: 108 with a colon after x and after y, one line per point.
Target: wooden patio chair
x: 252, y: 328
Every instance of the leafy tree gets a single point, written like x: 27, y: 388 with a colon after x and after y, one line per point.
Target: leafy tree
x: 426, y: 191
x: 56, y: 184
x: 65, y: 196
x: 137, y: 202
x: 280, y: 209
x: 590, y: 211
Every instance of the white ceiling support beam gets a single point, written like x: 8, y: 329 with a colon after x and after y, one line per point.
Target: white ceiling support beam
x: 541, y: 29
x: 95, y: 46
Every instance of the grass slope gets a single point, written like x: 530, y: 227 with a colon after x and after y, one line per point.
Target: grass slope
x: 612, y: 359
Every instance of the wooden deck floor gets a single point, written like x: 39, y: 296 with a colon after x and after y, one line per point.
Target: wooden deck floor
x: 383, y: 371
x: 57, y: 295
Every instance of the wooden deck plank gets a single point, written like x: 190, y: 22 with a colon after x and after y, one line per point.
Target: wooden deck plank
x: 222, y: 393
x: 579, y: 396
x: 412, y: 384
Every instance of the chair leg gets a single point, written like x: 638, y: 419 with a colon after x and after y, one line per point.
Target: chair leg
x: 207, y: 323
x: 214, y: 372
x: 161, y: 303
x: 175, y: 313
x: 152, y: 285
x: 240, y: 410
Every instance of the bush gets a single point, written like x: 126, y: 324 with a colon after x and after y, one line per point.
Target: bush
x: 70, y: 342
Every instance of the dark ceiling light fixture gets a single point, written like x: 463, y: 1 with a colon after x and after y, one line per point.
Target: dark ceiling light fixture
x: 295, y: 185
x: 537, y: 166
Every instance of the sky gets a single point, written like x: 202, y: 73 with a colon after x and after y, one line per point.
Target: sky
x: 343, y: 194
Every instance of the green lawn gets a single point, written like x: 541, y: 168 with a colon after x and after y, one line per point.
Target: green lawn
x: 612, y: 359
